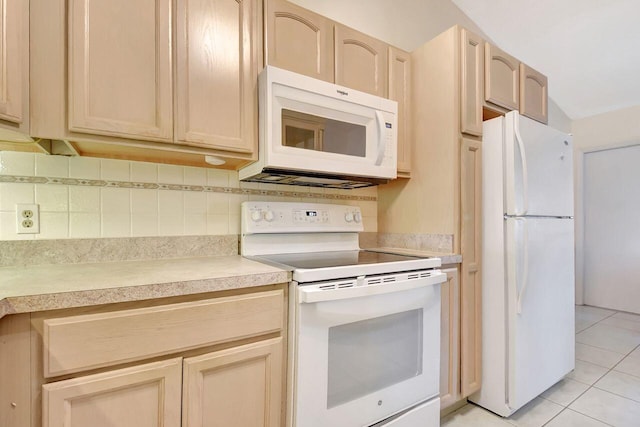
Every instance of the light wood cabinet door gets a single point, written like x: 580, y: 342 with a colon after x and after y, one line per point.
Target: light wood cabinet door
x: 14, y: 60
x: 240, y: 386
x: 450, y: 338
x: 501, y: 78
x: 471, y: 277
x: 298, y: 40
x: 400, y: 91
x: 119, y: 71
x: 471, y: 83
x: 361, y: 61
x: 217, y: 54
x: 141, y: 396
x: 533, y: 94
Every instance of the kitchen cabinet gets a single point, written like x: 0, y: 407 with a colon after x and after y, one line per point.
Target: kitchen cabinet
x: 298, y: 40
x: 216, y: 73
x: 443, y: 195
x: 157, y: 89
x: 360, y: 61
x: 120, y: 82
x: 501, y: 78
x: 400, y: 91
x: 450, y: 338
x: 471, y: 82
x: 471, y: 279
x: 14, y: 66
x: 533, y: 94
x: 216, y: 359
x: 145, y: 395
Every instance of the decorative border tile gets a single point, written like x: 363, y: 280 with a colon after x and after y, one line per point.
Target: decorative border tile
x: 159, y: 186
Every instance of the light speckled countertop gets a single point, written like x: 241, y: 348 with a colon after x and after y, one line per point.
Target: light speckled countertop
x: 48, y: 287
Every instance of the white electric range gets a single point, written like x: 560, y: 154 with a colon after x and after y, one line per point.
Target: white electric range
x: 364, y: 326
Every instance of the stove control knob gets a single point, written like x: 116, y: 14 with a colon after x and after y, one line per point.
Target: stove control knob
x: 256, y: 216
x: 348, y: 217
x: 269, y: 216
x: 357, y: 217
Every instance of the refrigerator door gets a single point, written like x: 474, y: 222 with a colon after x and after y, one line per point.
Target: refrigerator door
x: 538, y: 168
x: 540, y: 305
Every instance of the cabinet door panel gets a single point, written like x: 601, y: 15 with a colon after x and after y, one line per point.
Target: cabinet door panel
x: 471, y: 89
x: 120, y: 68
x: 502, y: 77
x: 240, y: 386
x: 400, y: 91
x: 217, y: 48
x: 361, y: 61
x: 470, y: 281
x: 14, y: 54
x: 533, y: 94
x: 299, y: 40
x: 450, y: 339
x: 141, y: 396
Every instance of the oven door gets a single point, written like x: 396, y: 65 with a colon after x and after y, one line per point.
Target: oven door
x: 369, y: 355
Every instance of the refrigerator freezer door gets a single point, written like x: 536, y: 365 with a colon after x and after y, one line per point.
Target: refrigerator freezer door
x: 540, y: 305
x: 538, y: 168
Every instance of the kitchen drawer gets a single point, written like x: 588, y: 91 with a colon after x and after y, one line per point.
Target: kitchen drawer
x: 83, y: 342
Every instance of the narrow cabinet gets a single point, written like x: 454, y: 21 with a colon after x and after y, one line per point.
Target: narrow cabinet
x: 298, y: 40
x: 14, y: 65
x: 146, y: 395
x: 533, y: 94
x: 216, y: 74
x: 120, y: 76
x: 360, y: 61
x: 400, y: 91
x: 450, y: 338
x: 471, y: 82
x: 502, y: 77
x: 240, y: 386
x: 471, y: 280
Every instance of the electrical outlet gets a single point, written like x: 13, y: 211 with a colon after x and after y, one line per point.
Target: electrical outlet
x: 28, y: 219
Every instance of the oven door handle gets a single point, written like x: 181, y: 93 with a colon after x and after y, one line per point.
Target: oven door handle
x: 313, y: 294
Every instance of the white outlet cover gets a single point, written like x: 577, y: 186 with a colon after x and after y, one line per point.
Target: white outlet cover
x: 22, y: 215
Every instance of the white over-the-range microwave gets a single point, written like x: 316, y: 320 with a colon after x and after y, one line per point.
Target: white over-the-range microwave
x: 314, y: 133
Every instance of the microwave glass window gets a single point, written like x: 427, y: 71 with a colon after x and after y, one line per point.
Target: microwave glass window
x: 309, y: 132
x: 372, y: 354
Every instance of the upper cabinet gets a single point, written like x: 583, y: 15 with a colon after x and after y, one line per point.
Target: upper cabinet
x: 298, y: 40
x: 120, y: 81
x: 400, y: 91
x: 471, y: 83
x: 14, y: 65
x: 360, y: 61
x: 533, y: 94
x: 502, y: 76
x: 217, y: 57
x: 168, y: 81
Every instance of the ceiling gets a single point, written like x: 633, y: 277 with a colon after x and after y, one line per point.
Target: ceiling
x: 589, y: 49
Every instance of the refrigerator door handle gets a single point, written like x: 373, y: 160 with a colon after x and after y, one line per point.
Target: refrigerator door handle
x: 523, y: 162
x: 525, y: 267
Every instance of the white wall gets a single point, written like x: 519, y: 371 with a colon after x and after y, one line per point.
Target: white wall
x: 612, y: 228
x: 609, y: 130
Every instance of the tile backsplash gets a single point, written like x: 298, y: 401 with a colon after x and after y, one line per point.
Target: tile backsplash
x: 82, y: 197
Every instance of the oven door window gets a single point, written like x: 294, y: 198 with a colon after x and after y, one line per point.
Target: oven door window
x: 310, y: 132
x: 373, y: 354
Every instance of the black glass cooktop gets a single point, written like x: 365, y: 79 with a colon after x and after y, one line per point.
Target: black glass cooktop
x: 335, y: 259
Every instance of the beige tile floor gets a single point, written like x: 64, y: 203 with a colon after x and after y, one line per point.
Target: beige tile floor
x: 603, y: 390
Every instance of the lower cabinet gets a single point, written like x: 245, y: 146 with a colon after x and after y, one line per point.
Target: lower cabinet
x: 450, y: 338
x: 214, y: 362
x: 240, y: 386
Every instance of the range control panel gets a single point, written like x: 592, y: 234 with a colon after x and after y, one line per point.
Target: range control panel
x: 284, y: 217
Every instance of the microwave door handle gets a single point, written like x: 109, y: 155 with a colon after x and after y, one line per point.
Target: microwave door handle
x: 382, y: 141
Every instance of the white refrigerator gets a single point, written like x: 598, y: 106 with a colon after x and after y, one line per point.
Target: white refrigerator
x: 528, y: 261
